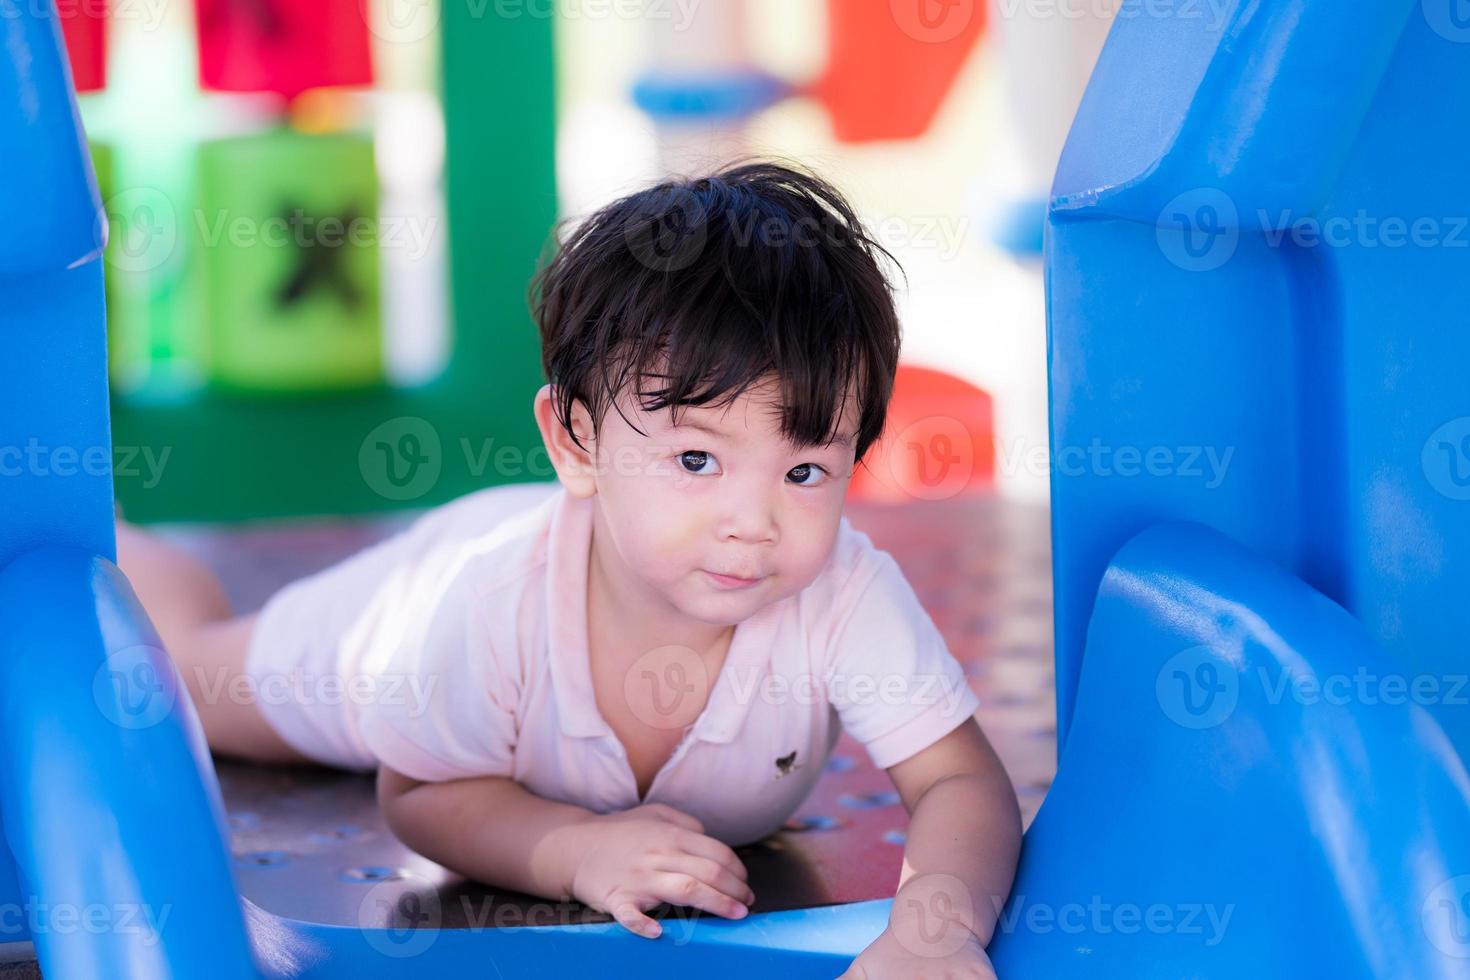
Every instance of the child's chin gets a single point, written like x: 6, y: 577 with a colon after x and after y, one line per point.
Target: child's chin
x: 732, y: 609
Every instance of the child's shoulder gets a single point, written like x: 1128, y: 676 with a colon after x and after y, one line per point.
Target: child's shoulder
x: 500, y: 535
x: 854, y: 563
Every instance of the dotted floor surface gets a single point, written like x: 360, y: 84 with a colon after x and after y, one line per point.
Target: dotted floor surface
x: 310, y: 844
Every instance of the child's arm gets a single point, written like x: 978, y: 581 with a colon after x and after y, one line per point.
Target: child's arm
x: 964, y: 837
x: 494, y: 830
x: 489, y: 829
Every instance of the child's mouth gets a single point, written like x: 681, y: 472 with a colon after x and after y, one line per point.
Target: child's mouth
x: 731, y: 581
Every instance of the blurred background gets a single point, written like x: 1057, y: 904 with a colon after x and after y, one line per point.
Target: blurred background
x: 323, y: 216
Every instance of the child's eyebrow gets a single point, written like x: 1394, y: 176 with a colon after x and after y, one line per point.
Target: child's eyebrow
x: 689, y: 423
x: 841, y: 439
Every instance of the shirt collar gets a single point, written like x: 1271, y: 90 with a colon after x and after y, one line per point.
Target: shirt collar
x: 568, y: 550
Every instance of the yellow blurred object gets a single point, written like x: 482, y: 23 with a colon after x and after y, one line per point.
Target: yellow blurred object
x: 325, y: 110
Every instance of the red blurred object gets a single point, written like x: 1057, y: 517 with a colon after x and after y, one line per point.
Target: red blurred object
x: 283, y: 46
x: 938, y: 442
x: 84, y: 26
x: 892, y: 62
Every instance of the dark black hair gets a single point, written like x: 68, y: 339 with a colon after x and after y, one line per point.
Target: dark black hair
x: 705, y: 286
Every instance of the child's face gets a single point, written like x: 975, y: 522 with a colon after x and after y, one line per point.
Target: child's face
x: 722, y: 493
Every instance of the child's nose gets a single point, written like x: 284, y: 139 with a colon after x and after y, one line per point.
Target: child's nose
x: 750, y: 518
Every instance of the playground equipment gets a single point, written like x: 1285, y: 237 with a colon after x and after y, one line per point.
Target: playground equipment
x: 938, y: 441
x: 1242, y: 337
x: 1201, y: 823
x: 284, y: 393
x: 889, y: 67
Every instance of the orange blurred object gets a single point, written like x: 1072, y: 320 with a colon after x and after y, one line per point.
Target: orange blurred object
x: 892, y: 62
x: 937, y: 443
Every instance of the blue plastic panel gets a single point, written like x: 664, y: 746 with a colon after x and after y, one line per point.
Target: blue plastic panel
x: 1221, y: 810
x: 108, y: 796
x: 1244, y: 328
x: 49, y: 193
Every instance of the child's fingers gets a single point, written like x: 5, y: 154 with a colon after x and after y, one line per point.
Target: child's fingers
x: 711, y: 873
x: 714, y: 850
x: 683, y: 889
x: 631, y: 917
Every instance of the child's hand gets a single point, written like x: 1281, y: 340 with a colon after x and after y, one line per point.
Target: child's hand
x: 901, y: 953
x: 637, y: 859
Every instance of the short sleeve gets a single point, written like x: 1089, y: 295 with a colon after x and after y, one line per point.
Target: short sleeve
x: 445, y: 703
x: 890, y: 676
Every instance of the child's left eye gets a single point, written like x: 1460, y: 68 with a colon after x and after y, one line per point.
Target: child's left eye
x: 694, y: 461
x: 803, y: 471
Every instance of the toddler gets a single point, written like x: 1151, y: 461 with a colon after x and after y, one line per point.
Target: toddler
x: 595, y: 688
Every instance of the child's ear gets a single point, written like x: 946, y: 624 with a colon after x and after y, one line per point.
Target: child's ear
x: 574, y: 465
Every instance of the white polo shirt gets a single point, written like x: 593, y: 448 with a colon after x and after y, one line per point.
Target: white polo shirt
x: 459, y: 649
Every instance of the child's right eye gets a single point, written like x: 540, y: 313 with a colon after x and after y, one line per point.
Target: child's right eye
x: 694, y: 460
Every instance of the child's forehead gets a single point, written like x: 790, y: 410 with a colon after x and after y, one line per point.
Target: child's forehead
x: 754, y: 417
